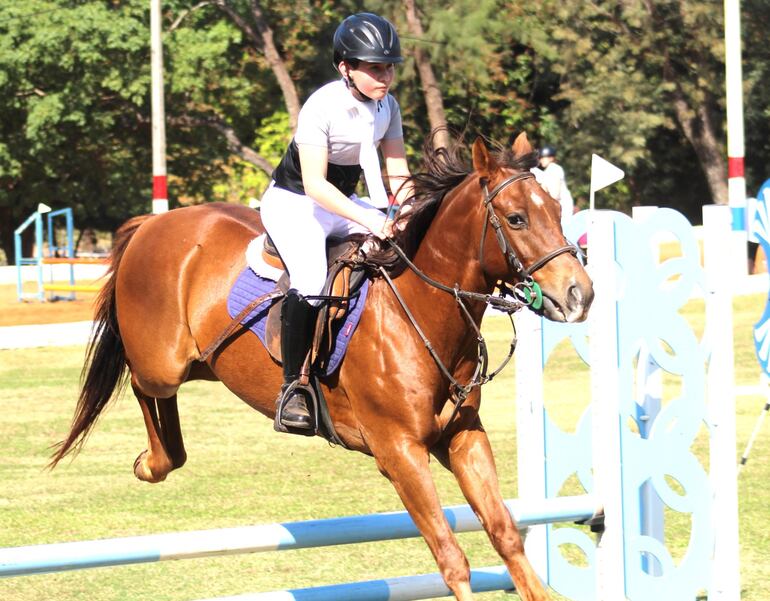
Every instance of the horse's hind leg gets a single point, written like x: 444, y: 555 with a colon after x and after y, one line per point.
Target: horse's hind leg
x: 165, y: 447
x: 469, y: 455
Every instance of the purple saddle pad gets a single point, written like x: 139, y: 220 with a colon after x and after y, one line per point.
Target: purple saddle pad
x: 249, y: 286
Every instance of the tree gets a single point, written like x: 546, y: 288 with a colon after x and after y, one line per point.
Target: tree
x: 434, y: 102
x: 756, y: 71
x: 640, y: 82
x: 72, y: 78
x: 463, y: 68
x: 75, y: 109
x: 251, y: 21
x: 634, y: 72
x: 242, y: 83
x: 228, y: 67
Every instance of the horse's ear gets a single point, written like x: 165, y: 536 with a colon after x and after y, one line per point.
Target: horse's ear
x: 483, y: 162
x: 521, y: 145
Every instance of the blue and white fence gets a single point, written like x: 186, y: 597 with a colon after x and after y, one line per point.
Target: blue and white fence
x: 619, y: 450
x: 618, y: 453
x: 405, y: 588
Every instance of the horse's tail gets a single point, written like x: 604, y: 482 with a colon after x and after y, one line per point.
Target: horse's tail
x: 104, y: 372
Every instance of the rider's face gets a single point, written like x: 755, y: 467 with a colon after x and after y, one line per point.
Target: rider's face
x: 371, y: 79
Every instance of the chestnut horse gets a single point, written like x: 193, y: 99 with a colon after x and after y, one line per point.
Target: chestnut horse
x: 165, y: 300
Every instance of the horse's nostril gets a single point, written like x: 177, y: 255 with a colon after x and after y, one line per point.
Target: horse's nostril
x: 574, y: 297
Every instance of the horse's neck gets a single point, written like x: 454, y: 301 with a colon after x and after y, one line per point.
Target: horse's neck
x: 448, y: 254
x: 449, y: 251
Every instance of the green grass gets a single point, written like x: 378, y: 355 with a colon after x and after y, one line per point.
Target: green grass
x: 240, y: 472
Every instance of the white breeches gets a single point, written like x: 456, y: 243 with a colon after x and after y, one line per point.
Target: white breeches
x: 299, y: 228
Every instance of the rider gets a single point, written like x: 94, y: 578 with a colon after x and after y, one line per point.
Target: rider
x: 312, y: 195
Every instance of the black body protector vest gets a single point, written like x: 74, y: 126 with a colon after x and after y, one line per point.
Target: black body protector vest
x: 288, y: 174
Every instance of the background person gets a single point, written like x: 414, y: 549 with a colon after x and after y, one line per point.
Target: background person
x: 553, y: 180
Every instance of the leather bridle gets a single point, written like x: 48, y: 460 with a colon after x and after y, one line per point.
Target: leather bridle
x: 524, y: 292
x: 524, y: 274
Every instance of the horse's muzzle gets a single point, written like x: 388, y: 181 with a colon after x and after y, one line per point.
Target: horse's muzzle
x: 574, y: 305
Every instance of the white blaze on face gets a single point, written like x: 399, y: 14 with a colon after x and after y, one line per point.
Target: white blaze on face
x: 537, y: 199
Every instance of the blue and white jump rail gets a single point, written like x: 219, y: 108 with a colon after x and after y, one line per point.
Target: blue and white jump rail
x: 40, y: 559
x: 405, y: 588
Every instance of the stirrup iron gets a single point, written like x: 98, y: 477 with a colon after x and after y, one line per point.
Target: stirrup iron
x: 311, y: 402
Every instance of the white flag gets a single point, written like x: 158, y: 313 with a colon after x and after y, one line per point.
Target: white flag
x: 43, y: 208
x: 603, y: 173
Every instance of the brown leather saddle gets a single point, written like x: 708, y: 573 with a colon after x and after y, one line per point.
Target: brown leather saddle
x: 345, y: 276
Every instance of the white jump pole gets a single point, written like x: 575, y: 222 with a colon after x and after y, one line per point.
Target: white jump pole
x: 60, y: 557
x: 159, y: 183
x: 721, y: 405
x: 603, y: 348
x: 530, y: 431
x: 649, y: 395
x: 736, y: 182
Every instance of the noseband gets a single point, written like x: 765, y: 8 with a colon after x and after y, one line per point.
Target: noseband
x: 526, y: 288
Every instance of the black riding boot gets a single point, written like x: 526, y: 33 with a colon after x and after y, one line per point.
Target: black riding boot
x: 297, y: 324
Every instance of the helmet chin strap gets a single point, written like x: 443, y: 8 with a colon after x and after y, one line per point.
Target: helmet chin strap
x: 352, y: 85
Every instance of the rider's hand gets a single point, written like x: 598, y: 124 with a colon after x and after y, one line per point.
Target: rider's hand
x: 380, y: 227
x: 403, y: 211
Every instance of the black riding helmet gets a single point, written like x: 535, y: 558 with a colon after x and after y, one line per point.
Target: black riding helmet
x: 547, y: 151
x: 366, y: 37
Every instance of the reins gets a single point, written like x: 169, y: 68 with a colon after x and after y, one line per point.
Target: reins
x: 525, y: 292
x: 458, y: 392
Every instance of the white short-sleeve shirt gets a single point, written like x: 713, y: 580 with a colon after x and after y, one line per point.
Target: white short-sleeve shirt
x: 552, y: 178
x: 329, y: 118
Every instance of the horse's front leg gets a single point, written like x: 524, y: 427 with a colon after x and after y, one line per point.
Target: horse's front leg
x: 405, y: 463
x: 469, y: 455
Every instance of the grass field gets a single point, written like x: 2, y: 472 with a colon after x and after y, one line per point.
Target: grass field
x: 240, y: 472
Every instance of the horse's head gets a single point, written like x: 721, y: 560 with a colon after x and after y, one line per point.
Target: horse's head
x: 523, y: 236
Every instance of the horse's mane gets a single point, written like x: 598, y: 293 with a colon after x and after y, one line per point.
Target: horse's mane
x: 443, y: 169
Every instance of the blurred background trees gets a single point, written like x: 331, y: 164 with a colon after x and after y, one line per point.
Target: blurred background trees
x: 640, y: 82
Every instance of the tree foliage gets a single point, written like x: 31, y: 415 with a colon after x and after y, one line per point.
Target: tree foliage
x: 643, y: 85
x: 756, y: 71
x: 73, y: 78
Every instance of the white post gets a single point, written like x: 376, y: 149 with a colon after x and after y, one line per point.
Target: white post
x: 725, y: 584
x: 736, y: 182
x: 603, y: 349
x: 530, y: 431
x: 159, y: 184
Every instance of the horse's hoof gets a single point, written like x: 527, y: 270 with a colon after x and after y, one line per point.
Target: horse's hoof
x: 142, y: 470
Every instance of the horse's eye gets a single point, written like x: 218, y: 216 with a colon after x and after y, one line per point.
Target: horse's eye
x: 517, y: 221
